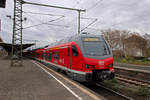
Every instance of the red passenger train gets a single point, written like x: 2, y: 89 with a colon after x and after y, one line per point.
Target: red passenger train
x: 83, y: 57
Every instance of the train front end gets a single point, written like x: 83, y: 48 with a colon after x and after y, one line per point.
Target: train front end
x: 98, y: 58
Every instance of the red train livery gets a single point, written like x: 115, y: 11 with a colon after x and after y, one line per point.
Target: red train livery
x: 83, y: 57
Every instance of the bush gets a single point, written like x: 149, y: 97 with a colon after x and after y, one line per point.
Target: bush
x: 116, y: 59
x: 148, y: 53
x: 124, y: 61
x: 144, y: 60
x: 114, y: 80
x: 143, y: 91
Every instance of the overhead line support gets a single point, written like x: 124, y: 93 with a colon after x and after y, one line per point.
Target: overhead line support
x: 16, y: 58
x: 66, y: 8
x: 16, y: 53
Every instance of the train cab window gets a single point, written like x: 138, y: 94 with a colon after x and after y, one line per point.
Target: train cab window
x: 74, y: 51
x: 57, y: 55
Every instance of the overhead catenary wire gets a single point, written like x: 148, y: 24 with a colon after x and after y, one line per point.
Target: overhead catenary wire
x: 49, y: 24
x: 94, y: 20
x: 78, y: 3
x: 98, y: 2
x: 94, y: 28
x: 123, y: 22
x: 57, y: 31
x: 59, y: 7
x: 43, y: 23
x: 35, y: 18
x: 52, y: 6
x: 42, y: 13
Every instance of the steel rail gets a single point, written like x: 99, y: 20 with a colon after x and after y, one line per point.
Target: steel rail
x: 133, y: 80
x: 117, y: 93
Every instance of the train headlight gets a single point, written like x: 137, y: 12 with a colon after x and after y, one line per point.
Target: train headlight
x: 110, y: 65
x: 89, y: 66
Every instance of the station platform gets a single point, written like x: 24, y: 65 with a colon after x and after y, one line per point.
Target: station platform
x: 133, y: 66
x: 31, y: 82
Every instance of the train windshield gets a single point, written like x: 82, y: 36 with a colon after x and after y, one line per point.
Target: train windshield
x: 96, y: 48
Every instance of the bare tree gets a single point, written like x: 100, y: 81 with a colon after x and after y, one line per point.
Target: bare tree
x: 147, y: 38
x: 135, y: 45
x: 112, y: 37
x: 116, y: 40
x: 126, y: 43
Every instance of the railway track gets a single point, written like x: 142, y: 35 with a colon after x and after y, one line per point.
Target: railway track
x: 134, y: 81
x: 108, y: 93
x: 114, y: 93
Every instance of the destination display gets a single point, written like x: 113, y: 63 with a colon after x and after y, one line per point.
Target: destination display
x: 90, y: 39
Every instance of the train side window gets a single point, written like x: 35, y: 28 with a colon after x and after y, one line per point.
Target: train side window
x: 37, y: 55
x: 50, y: 56
x: 57, y: 55
x: 42, y: 54
x: 47, y: 56
x: 74, y: 51
x: 53, y: 55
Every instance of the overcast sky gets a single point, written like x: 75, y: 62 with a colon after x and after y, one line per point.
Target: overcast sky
x: 130, y: 15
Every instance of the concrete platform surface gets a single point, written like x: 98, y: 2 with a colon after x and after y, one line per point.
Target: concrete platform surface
x: 32, y: 83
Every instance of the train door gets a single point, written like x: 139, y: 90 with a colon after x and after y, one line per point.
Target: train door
x: 69, y: 58
x: 75, y: 61
x: 44, y: 55
x: 50, y: 56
